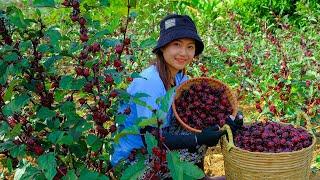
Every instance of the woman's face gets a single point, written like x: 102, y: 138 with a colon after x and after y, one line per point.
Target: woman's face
x: 179, y: 53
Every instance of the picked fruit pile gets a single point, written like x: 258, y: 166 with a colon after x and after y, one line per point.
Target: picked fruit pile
x: 272, y: 137
x: 203, y: 102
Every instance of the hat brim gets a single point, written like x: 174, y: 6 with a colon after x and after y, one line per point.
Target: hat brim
x: 179, y: 33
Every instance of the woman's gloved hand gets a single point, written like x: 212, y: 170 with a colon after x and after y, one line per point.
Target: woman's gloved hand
x: 210, y: 136
x: 235, y: 123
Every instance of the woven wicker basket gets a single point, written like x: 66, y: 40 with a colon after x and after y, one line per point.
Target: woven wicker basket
x: 213, y: 83
x: 240, y: 164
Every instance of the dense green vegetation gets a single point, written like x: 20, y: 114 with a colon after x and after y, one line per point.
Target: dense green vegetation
x: 64, y: 67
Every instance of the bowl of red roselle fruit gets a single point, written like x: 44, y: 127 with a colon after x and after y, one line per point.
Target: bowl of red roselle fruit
x: 203, y: 102
x: 268, y: 149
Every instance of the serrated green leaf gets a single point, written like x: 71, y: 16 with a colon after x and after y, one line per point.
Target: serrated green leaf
x: 151, y: 142
x: 55, y: 136
x: 4, y: 146
x: 43, y: 3
x: 48, y: 164
x: 148, y: 43
x: 88, y: 174
x: 67, y: 140
x: 15, y: 131
x: 43, y: 48
x: 71, y: 175
x: 18, y: 151
x: 68, y: 108
x: 16, y: 104
x: 45, y: 113
x: 192, y: 170
x: 134, y: 172
x: 25, y: 45
x: 69, y: 83
x: 126, y: 131
x: 8, y: 92
x: 11, y: 57
x: 175, y: 169
x: 16, y: 17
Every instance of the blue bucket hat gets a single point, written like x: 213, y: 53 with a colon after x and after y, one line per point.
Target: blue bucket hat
x: 174, y: 27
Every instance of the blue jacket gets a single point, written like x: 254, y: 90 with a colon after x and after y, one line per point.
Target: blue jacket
x: 152, y: 85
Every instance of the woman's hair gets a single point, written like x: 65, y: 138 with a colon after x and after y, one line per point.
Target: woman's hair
x: 163, y: 69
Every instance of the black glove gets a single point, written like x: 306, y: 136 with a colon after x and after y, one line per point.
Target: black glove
x: 235, y: 123
x: 173, y: 141
x: 180, y: 141
x: 210, y: 136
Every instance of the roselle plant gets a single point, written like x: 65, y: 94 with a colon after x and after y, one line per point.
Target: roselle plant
x: 59, y: 123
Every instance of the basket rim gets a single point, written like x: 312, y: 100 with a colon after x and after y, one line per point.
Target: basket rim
x: 197, y: 79
x: 314, y: 140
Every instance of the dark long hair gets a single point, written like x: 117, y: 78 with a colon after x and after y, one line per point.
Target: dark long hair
x: 163, y: 69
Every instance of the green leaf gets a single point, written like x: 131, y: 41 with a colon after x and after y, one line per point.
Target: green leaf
x: 91, y: 139
x: 133, y: 3
x: 88, y: 174
x: 67, y: 140
x: 69, y: 83
x: 4, y: 146
x: 192, y: 170
x: 54, y: 36
x: 148, y: 122
x: 104, y: 3
x: 15, y: 131
x: 9, y: 165
x: 136, y: 75
x: 25, y: 45
x: 27, y: 172
x: 94, y: 142
x: 20, y: 172
x: 71, y: 175
x: 4, y: 72
x: 113, y: 24
x: 45, y: 113
x: 79, y: 149
x: 126, y: 131
x: 11, y: 57
x: 4, y: 129
x: 8, y: 92
x: 43, y: 3
x: 55, y: 136
x: 134, y: 172
x: 166, y: 101
x: 16, y: 17
x: 16, y: 104
x: 174, y: 165
x: 18, y: 151
x: 48, y: 164
x: 68, y: 108
x: 148, y: 43
x: 120, y: 118
x: 151, y: 142
x: 43, y: 48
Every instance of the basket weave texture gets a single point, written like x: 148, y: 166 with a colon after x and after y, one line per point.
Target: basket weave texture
x: 214, y: 83
x: 241, y: 164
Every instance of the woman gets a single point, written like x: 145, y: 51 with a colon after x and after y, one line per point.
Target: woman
x: 177, y: 46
